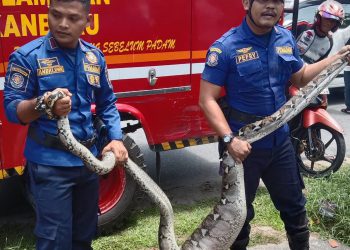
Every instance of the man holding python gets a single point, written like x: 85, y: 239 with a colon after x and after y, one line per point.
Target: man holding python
x: 254, y: 63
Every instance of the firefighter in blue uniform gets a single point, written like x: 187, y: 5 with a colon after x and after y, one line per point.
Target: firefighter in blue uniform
x: 254, y: 63
x: 65, y: 192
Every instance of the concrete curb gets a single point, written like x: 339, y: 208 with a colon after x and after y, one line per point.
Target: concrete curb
x: 315, y: 244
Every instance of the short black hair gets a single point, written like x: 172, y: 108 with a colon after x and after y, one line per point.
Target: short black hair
x: 85, y: 3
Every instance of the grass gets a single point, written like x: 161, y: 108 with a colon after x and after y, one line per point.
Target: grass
x: 336, y: 190
x: 141, y: 229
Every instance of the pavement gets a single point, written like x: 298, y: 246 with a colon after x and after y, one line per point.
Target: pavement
x: 315, y: 244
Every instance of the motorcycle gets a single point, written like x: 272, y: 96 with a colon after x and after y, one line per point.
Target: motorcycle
x: 317, y: 139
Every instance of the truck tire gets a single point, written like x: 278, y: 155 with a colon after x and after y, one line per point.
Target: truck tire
x: 117, y: 189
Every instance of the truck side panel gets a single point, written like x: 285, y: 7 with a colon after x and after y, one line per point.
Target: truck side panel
x: 136, y: 36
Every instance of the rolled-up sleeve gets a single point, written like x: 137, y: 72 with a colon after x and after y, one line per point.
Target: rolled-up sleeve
x: 216, y: 66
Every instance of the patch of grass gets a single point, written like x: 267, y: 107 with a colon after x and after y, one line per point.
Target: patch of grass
x: 265, y: 212
x: 263, y: 239
x: 16, y: 237
x: 335, y: 189
x: 141, y: 228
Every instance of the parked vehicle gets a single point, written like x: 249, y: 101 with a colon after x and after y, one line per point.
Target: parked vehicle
x: 317, y: 138
x: 155, y: 50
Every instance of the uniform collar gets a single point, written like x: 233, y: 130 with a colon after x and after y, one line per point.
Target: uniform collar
x: 248, y: 33
x: 51, y: 44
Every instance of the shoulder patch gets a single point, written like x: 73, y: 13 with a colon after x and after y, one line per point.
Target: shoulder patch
x: 18, y: 77
x: 213, y: 59
x: 213, y: 49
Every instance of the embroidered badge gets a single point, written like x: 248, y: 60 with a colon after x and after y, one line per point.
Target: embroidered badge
x: 53, y: 44
x: 247, y: 57
x: 284, y: 50
x: 219, y: 51
x: 18, y: 77
x: 91, y: 57
x: 49, y: 66
x: 244, y: 50
x: 17, y: 80
x: 94, y: 80
x: 92, y: 68
x: 48, y: 62
x: 212, y: 59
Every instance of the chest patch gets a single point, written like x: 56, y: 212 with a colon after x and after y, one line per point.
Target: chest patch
x: 284, y: 50
x: 244, y: 50
x: 92, y: 68
x: 247, y: 57
x: 91, y: 57
x: 18, y: 78
x: 94, y: 80
x: 49, y: 66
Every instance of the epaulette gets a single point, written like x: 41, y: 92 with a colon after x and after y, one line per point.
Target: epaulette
x: 90, y: 46
x: 29, y: 47
x: 280, y: 26
x: 229, y: 33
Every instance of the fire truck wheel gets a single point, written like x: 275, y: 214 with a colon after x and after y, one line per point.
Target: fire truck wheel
x: 117, y: 190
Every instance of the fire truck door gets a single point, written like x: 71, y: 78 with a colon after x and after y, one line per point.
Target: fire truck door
x: 147, y: 48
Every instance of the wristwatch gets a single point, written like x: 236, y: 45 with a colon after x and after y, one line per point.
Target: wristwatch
x: 40, y: 104
x: 227, y: 139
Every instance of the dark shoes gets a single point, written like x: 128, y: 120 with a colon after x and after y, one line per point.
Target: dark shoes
x: 346, y: 111
x: 299, y: 241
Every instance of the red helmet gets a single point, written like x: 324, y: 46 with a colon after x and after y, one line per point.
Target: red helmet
x: 332, y: 10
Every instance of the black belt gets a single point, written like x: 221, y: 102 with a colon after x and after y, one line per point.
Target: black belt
x: 242, y: 117
x: 235, y: 114
x: 52, y: 141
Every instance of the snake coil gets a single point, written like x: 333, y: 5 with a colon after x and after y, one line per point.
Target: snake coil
x: 221, y: 227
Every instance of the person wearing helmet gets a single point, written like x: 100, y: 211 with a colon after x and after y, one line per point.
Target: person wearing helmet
x: 254, y: 62
x: 316, y: 42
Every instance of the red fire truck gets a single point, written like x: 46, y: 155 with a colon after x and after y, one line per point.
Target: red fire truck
x: 155, y: 50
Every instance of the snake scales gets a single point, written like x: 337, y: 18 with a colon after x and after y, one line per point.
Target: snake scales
x: 221, y: 227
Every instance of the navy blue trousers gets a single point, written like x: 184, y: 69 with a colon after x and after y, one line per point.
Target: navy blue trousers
x: 278, y: 169
x: 66, y: 200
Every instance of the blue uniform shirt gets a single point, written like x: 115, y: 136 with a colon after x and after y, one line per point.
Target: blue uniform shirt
x: 254, y: 70
x: 41, y: 66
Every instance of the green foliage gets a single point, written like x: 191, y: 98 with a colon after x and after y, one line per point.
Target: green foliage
x: 141, y: 229
x: 336, y: 190
x: 16, y: 237
x: 265, y: 212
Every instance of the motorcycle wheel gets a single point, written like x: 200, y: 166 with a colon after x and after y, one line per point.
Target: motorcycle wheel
x: 327, y: 156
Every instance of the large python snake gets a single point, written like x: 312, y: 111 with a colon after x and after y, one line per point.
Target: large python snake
x: 221, y: 227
